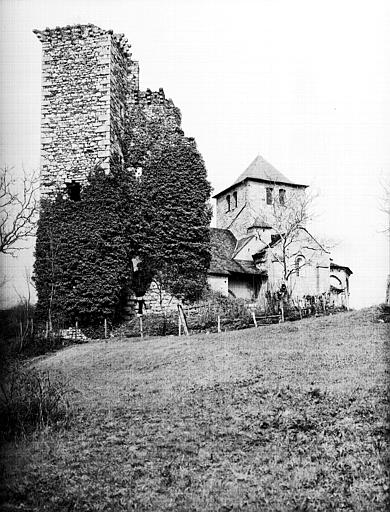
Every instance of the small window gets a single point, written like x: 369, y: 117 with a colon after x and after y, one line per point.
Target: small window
x: 282, y: 197
x: 228, y: 203
x: 234, y: 199
x: 269, y: 195
x: 74, y: 191
x: 299, y: 262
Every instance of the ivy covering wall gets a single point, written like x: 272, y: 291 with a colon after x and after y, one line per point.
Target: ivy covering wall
x: 153, y: 206
x: 83, y: 253
x: 172, y: 193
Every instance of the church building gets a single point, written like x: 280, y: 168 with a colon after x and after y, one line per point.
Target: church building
x: 261, y: 241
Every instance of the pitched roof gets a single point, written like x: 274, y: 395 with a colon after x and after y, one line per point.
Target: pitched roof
x: 260, y: 223
x: 261, y: 170
x: 223, y: 244
x: 241, y: 243
x: 341, y: 267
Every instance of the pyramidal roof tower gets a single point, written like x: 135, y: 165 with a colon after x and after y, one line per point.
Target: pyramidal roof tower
x: 261, y: 170
x: 248, y: 201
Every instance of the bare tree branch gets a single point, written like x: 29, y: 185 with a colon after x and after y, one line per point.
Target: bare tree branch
x: 288, y: 220
x: 19, y: 208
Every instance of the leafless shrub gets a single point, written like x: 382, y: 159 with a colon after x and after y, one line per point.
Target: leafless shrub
x: 31, y: 400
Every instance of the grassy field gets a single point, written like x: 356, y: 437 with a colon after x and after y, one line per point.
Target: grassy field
x: 289, y: 417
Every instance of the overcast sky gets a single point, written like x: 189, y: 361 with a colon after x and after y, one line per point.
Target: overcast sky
x: 306, y: 84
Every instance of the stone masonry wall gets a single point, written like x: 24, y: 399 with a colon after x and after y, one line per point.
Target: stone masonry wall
x: 121, y: 83
x: 76, y: 102
x: 89, y: 84
x: 237, y: 219
x: 86, y: 78
x: 251, y: 205
x: 158, y: 300
x: 156, y: 107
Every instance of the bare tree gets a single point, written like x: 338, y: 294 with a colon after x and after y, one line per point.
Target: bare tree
x: 288, y: 219
x: 385, y: 207
x: 385, y: 200
x: 26, y: 320
x: 19, y: 205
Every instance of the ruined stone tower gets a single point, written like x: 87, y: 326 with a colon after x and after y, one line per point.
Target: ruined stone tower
x: 89, y: 83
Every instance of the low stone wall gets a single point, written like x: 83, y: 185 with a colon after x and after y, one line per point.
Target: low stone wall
x: 72, y: 334
x: 157, y: 300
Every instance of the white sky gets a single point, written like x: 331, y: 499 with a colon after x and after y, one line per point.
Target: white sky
x: 306, y: 84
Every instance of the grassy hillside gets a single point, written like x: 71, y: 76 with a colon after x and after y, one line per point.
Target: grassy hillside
x: 289, y: 417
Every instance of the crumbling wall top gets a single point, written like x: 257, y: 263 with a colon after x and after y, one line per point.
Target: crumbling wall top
x: 81, y: 32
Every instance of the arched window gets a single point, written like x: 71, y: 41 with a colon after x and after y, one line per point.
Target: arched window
x: 282, y: 196
x: 234, y: 199
x: 299, y: 262
x: 228, y: 203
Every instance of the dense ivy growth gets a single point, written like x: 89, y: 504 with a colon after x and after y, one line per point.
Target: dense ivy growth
x: 172, y: 193
x: 84, y: 251
x: 154, y: 206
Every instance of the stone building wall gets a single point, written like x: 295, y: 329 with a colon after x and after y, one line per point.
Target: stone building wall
x: 251, y: 205
x: 339, y: 278
x: 156, y: 107
x: 120, y: 85
x: 89, y: 84
x: 237, y: 219
x: 75, y: 131
x: 158, y: 300
x: 219, y: 284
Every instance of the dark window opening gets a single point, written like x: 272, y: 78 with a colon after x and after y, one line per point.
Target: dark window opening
x: 74, y: 191
x: 256, y: 288
x: 228, y: 203
x: 299, y: 264
x: 269, y: 195
x: 282, y: 196
x: 235, y: 199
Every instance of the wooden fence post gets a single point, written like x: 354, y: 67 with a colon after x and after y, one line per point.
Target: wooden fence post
x: 254, y: 318
x: 141, y: 326
x: 105, y: 328
x: 179, y: 321
x: 183, y: 319
x: 219, y: 323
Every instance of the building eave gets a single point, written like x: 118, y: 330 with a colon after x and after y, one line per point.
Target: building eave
x: 341, y: 267
x: 293, y: 185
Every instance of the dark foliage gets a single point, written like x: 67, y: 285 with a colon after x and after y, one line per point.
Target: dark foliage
x: 84, y: 251
x: 172, y: 193
x: 384, y: 313
x: 154, y: 207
